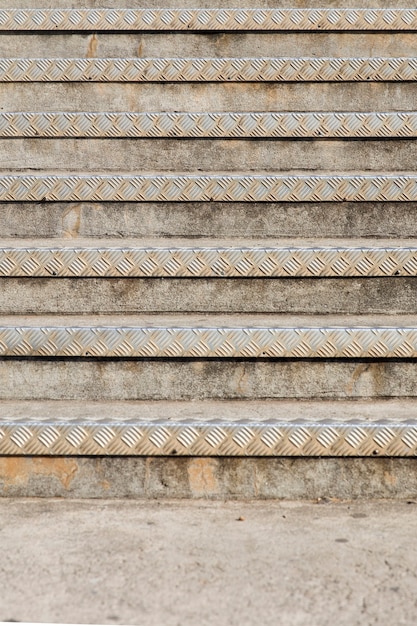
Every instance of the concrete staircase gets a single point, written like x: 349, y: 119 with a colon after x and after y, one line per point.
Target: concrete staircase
x: 208, y: 240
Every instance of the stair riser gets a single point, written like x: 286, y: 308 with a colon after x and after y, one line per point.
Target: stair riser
x: 172, y: 155
x: 207, y: 219
x: 166, y: 45
x: 195, y: 379
x: 209, y: 96
x: 135, y: 295
x: 209, y: 478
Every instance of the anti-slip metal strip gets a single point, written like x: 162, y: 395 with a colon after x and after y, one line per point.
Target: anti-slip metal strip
x: 208, y: 262
x: 218, y: 438
x: 216, y: 124
x: 209, y: 70
x: 208, y: 342
x: 168, y: 19
x: 220, y: 188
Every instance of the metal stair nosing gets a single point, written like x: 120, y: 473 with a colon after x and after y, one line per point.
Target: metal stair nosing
x: 209, y: 19
x: 210, y: 429
x: 206, y: 261
x: 224, y: 70
x: 140, y: 435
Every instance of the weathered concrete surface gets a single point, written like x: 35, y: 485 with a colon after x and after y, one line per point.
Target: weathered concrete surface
x: 211, y: 295
x: 207, y: 478
x: 238, y: 44
x: 206, y: 155
x: 38, y: 379
x: 225, y: 563
x: 260, y: 220
x: 209, y: 96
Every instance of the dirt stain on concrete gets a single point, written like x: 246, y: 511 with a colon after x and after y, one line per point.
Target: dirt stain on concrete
x: 390, y: 479
x: 71, y: 221
x: 202, y: 476
x: 92, y: 47
x: 17, y: 471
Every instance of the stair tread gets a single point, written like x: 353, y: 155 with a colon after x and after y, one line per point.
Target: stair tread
x: 197, y: 243
x: 210, y: 19
x: 226, y: 320
x: 209, y: 69
x: 226, y: 124
x: 226, y: 337
x: 214, y: 259
x: 195, y: 259
x: 279, y: 411
x: 253, y: 187
x: 231, y: 428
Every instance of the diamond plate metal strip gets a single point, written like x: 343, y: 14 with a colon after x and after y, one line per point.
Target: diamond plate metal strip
x: 208, y: 70
x: 221, y: 124
x: 245, y: 438
x: 208, y: 342
x: 207, y: 262
x: 256, y: 19
x: 220, y: 188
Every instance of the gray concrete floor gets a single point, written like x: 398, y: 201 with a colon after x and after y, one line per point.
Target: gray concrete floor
x: 184, y: 562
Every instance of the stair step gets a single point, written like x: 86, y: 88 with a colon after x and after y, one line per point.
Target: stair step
x: 286, y: 69
x: 267, y: 96
x: 211, y: 155
x: 99, y: 259
x: 319, y: 361
x: 221, y: 188
x: 311, y: 124
x: 234, y: 337
x: 384, y: 428
x: 168, y: 45
x: 197, y: 220
x: 150, y: 380
x: 210, y: 19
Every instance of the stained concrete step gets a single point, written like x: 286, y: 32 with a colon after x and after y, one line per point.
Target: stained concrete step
x: 233, y: 336
x: 205, y: 45
x: 196, y: 97
x: 216, y: 124
x: 90, y: 378
x: 198, y: 220
x: 309, y: 279
x: 348, y: 96
x: 312, y: 296
x: 232, y: 428
x: 210, y: 155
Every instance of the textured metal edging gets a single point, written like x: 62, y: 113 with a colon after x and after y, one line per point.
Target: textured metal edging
x: 220, y: 188
x: 170, y: 19
x: 210, y: 124
x: 245, y: 438
x: 208, y: 70
x: 208, y: 342
x: 208, y: 262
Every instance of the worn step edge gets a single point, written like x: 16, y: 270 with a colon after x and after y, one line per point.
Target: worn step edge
x: 211, y: 187
x: 197, y: 262
x: 216, y: 19
x: 227, y: 124
x: 236, y: 428
x: 187, y: 338
x: 283, y: 69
